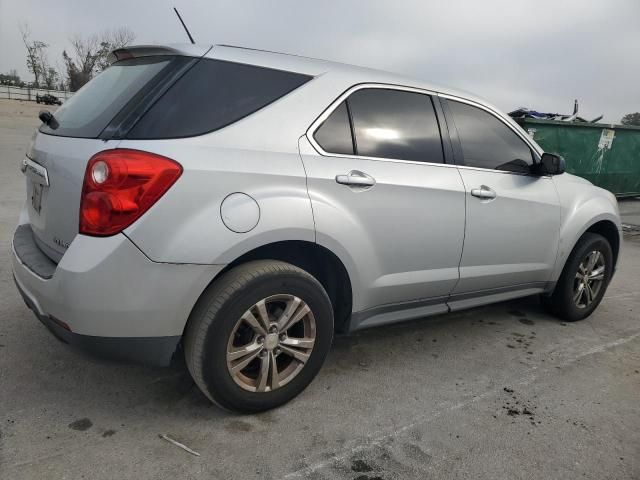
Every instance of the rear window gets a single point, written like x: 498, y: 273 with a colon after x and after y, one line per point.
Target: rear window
x: 92, y: 107
x: 212, y: 95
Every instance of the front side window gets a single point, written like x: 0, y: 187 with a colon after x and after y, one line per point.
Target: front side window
x: 487, y: 142
x: 386, y: 123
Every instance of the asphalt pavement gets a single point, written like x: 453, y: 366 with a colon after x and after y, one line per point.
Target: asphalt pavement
x: 499, y: 392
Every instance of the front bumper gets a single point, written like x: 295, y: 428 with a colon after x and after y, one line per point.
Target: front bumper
x: 107, y: 297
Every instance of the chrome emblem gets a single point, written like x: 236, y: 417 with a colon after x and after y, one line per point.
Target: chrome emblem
x: 60, y: 243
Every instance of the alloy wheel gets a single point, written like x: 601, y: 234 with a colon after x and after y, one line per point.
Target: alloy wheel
x: 271, y: 343
x: 589, y: 279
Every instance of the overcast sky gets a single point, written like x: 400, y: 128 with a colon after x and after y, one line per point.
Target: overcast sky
x: 536, y: 53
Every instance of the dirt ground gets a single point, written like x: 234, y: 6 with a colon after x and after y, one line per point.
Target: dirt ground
x: 18, y: 115
x: 499, y: 392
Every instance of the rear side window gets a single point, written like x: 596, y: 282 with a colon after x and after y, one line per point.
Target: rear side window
x: 212, y: 95
x: 334, y: 135
x: 92, y: 107
x: 487, y: 142
x: 387, y: 124
x: 395, y: 124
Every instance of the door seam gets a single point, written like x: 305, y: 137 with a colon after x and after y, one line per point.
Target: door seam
x: 464, y: 237
x: 306, y: 184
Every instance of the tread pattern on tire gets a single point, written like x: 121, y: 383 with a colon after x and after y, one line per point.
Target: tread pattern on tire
x: 212, y: 300
x: 558, y: 305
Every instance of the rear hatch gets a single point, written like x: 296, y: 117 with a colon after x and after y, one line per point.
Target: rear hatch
x: 91, y: 121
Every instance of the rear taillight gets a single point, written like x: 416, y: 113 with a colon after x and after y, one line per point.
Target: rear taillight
x: 120, y: 185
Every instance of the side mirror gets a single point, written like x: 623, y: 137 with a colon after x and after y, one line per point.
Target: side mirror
x: 550, y: 164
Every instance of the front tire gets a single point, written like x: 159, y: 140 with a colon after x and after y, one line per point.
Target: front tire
x: 258, y: 335
x: 584, y: 279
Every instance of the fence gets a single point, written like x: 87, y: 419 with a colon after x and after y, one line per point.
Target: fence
x: 29, y: 94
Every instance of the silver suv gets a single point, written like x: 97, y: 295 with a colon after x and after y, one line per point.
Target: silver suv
x: 241, y: 206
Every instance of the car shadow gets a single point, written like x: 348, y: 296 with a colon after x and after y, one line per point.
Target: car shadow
x: 172, y: 389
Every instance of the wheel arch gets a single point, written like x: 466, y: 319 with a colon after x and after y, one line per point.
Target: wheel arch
x: 602, y: 225
x: 608, y: 230
x: 319, y: 261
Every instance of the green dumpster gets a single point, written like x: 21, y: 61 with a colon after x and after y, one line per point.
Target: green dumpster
x: 606, y: 155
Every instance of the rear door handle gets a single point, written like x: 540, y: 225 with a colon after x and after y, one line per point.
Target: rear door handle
x: 483, y: 192
x: 356, y: 178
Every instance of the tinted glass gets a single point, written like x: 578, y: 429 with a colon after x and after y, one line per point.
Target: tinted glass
x: 92, y: 107
x: 334, y: 135
x: 487, y: 142
x: 212, y: 95
x: 395, y: 124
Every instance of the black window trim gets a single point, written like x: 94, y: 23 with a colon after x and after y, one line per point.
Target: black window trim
x: 141, y: 103
x: 354, y: 140
x: 317, y: 123
x: 448, y: 132
x: 536, y: 152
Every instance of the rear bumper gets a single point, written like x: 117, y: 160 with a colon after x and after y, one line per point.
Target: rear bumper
x: 106, y: 297
x: 147, y: 350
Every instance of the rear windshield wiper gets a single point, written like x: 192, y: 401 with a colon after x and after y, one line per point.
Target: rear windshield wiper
x: 47, y: 118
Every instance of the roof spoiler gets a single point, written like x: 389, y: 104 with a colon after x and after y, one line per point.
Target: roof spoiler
x: 187, y: 50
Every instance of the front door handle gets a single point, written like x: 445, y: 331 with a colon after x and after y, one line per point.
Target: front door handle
x: 483, y: 192
x: 356, y: 178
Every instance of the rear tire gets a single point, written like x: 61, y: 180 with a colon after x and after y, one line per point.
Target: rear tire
x: 254, y: 308
x: 578, y: 291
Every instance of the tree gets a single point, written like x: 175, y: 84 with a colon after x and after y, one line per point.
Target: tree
x: 36, y: 51
x: 11, y: 78
x: 631, y: 119
x: 50, y: 78
x: 89, y: 55
x: 45, y: 75
x: 81, y: 66
x: 112, y: 40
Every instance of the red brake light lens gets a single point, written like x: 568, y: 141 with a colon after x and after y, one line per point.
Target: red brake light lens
x: 120, y: 185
